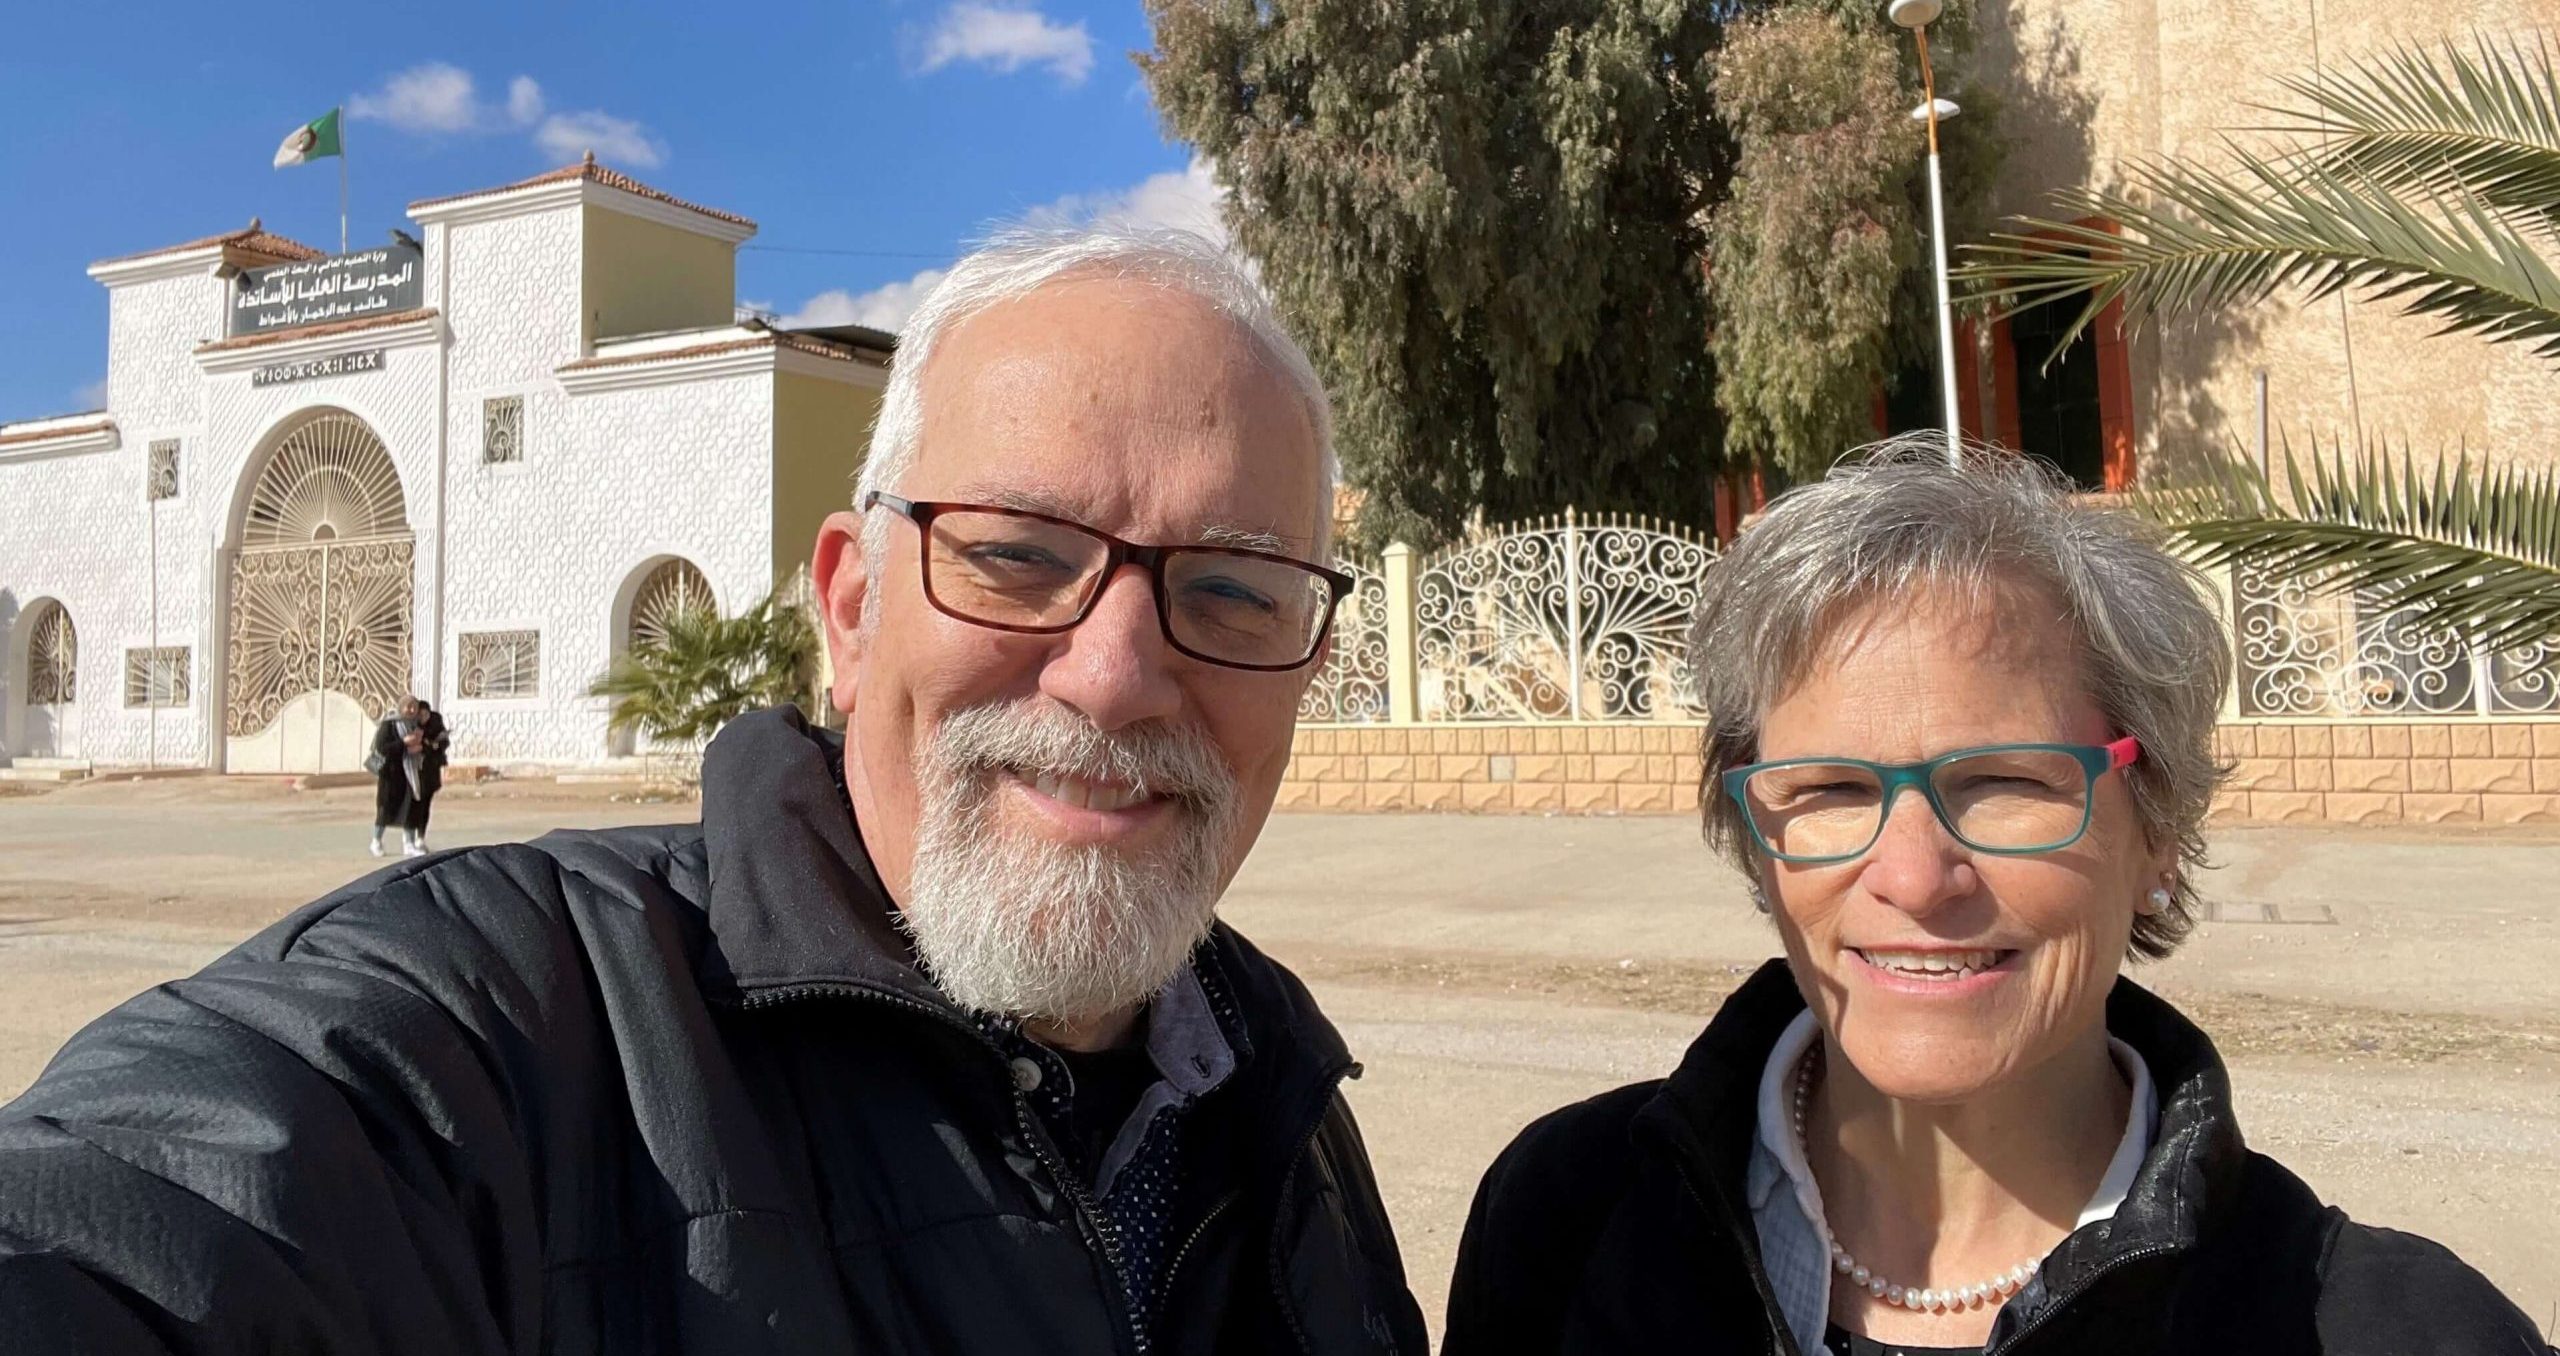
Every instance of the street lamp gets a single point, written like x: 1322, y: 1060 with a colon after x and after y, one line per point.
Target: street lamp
x: 1917, y: 15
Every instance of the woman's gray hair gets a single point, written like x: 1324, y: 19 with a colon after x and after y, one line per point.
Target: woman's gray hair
x: 1895, y: 518
x: 1019, y: 261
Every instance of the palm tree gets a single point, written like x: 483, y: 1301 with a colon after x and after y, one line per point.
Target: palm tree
x: 2432, y: 185
x: 708, y: 670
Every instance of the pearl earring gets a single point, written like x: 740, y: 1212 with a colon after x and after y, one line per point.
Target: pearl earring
x: 2160, y: 898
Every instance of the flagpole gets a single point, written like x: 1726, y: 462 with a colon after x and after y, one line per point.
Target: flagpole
x: 342, y: 187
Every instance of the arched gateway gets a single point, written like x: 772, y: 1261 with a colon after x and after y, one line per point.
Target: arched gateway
x: 320, y: 601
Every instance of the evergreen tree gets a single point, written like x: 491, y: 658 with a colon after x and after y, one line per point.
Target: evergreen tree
x: 1493, y: 222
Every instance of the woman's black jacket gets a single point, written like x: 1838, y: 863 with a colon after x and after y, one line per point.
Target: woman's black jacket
x: 1620, y: 1225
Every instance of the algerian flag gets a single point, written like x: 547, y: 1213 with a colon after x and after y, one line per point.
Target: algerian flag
x: 311, y: 141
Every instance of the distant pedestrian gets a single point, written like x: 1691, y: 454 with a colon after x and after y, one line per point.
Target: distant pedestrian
x: 398, y: 746
x: 429, y: 778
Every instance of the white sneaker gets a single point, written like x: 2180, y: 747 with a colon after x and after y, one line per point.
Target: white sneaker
x: 377, y: 847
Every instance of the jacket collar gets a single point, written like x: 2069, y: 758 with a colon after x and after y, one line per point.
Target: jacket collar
x: 794, y: 902
x: 1706, y: 1115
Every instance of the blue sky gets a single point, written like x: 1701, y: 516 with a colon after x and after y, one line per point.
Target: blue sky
x: 903, y: 127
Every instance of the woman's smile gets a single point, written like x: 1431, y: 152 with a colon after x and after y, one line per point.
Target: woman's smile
x: 1934, y: 972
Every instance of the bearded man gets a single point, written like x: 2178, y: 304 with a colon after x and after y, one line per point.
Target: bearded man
x: 926, y: 1039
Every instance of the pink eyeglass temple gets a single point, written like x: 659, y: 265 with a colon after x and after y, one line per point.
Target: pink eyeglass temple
x: 2123, y: 752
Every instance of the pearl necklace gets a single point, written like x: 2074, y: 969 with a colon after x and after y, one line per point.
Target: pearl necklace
x: 1996, y: 1290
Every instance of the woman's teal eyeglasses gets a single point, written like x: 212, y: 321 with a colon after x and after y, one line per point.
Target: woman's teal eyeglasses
x: 2011, y: 799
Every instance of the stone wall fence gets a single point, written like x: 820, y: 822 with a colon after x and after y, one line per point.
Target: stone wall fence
x: 1538, y: 668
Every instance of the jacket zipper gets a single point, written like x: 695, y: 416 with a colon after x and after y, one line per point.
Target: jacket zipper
x: 1331, y: 1085
x: 1088, y: 1217
x: 2067, y: 1298
x: 1173, y: 1263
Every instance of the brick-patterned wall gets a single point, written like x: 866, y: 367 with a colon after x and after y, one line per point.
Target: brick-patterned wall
x: 2504, y: 772
x: 1571, y: 769
x: 2370, y: 773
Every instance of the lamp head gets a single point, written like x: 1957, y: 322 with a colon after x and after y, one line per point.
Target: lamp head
x: 1914, y: 13
x: 1945, y: 109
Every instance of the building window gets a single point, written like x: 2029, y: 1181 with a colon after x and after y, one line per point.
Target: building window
x: 53, y: 657
x: 156, y: 677
x: 499, y: 664
x: 164, y: 469
x: 502, y: 429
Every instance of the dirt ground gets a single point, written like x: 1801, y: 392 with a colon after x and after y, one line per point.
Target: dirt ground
x: 2385, y: 997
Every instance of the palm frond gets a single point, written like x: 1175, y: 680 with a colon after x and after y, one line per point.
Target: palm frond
x: 2487, y: 124
x: 2195, y: 240
x: 2475, y: 548
x: 708, y: 670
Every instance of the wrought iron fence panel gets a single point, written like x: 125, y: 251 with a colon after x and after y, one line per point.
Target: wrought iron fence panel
x: 2307, y: 649
x: 1353, y: 685
x: 1560, y: 619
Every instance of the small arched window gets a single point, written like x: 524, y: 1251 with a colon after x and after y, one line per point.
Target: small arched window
x: 53, y: 656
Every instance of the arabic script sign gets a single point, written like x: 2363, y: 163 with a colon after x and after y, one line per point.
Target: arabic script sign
x: 322, y: 291
x: 335, y: 365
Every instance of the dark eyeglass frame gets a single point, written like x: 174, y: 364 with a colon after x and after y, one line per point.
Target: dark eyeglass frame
x: 2095, y: 760
x: 1116, y: 553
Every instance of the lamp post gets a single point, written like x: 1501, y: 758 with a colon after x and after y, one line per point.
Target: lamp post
x: 1917, y: 15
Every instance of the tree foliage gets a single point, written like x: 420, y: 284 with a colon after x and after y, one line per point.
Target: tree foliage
x: 1814, y: 238
x: 710, y: 670
x: 1491, y: 221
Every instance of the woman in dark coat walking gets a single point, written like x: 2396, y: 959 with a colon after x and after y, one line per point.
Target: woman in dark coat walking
x: 1943, y: 1122
x: 432, y: 741
x: 395, y: 762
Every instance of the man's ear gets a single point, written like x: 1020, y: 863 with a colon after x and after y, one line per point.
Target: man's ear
x: 843, y: 582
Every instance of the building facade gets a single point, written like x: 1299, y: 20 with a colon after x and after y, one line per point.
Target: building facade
x: 474, y: 465
x: 2090, y: 87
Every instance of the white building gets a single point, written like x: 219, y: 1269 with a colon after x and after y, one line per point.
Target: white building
x: 470, y: 465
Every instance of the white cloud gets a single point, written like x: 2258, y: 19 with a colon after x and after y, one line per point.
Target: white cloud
x: 566, y: 136
x: 524, y: 101
x: 90, y: 396
x: 1009, y: 38
x: 437, y: 98
x: 1187, y: 199
x: 434, y: 97
x: 882, y: 308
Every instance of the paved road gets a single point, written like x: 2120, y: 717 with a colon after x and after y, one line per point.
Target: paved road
x: 2384, y: 997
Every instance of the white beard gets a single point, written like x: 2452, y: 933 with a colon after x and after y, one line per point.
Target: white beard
x: 1010, y: 923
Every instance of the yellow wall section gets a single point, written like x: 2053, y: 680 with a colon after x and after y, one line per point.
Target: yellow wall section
x: 640, y: 277
x: 820, y: 431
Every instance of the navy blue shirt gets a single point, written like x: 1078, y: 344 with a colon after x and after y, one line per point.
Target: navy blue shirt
x: 1119, y: 1116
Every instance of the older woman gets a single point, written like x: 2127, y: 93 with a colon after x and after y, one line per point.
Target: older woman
x: 1963, y: 748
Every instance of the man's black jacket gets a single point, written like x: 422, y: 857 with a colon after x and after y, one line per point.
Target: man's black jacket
x: 1620, y: 1225
x: 648, y: 1090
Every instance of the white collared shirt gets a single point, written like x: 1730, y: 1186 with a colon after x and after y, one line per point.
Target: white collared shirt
x: 1788, y: 1222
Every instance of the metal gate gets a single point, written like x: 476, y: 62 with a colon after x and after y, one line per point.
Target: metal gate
x: 320, y: 602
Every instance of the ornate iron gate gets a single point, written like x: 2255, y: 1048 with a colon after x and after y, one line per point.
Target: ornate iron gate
x: 320, y: 591
x: 326, y: 618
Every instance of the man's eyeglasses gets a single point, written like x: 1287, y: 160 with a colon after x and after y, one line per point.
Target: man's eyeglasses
x: 1013, y: 570
x: 2011, y: 799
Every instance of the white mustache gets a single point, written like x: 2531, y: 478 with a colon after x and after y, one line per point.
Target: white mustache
x: 1033, y: 736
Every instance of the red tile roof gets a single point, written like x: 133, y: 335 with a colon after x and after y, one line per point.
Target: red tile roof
x: 593, y: 173
x: 322, y: 331
x: 252, y: 239
x: 57, y: 431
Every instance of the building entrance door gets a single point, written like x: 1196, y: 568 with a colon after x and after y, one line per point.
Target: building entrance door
x: 320, y: 605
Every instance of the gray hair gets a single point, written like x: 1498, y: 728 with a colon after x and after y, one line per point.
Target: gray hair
x: 1020, y: 261
x: 1894, y: 517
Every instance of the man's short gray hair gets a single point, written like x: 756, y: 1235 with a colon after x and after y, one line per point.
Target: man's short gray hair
x: 1894, y: 519
x: 1020, y: 261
